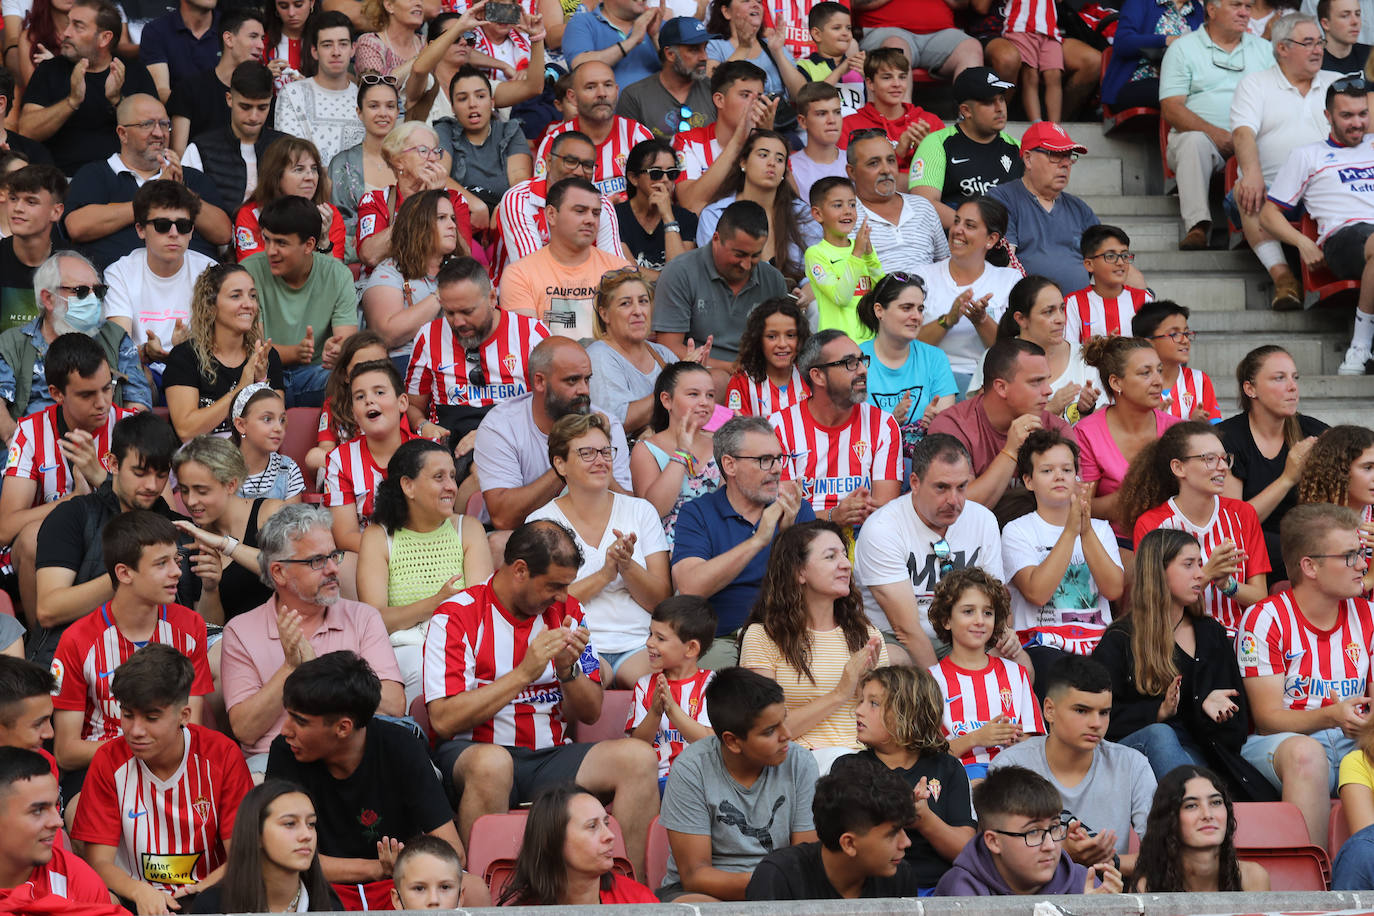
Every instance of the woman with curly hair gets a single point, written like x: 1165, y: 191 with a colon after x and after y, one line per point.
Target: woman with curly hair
x: 766, y: 378
x: 899, y: 723
x: 1189, y: 843
x: 808, y: 632
x: 290, y: 166
x: 224, y: 354
x: 1340, y: 470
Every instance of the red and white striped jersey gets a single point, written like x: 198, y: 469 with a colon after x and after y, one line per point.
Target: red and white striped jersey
x: 517, y: 52
x: 34, y: 451
x: 351, y: 476
x: 832, y: 462
x: 1193, y: 388
x: 1232, y: 519
x: 1319, y: 667
x: 1074, y: 638
x: 472, y: 640
x: 689, y: 693
x: 611, y: 153
x: 167, y: 832
x: 439, y: 368
x: 794, y: 12
x: 375, y: 213
x: 93, y: 647
x: 522, y: 230
x: 696, y: 149
x: 329, y: 432
x: 1036, y: 17
x: 66, y: 875
x: 975, y: 698
x: 1088, y: 314
x: 762, y: 399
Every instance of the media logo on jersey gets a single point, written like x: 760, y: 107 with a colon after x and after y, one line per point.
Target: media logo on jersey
x: 1335, y: 689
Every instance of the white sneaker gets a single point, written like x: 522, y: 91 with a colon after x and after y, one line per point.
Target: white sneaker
x: 1355, y: 360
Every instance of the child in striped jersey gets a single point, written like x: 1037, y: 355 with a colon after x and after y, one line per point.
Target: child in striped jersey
x: 1340, y: 470
x: 259, y: 418
x: 989, y: 703
x: 1105, y: 306
x: 1188, y: 393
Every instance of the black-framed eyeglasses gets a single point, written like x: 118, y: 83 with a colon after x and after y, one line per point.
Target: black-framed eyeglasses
x: 572, y: 163
x: 863, y: 133
x: 1352, y: 558
x: 319, y: 560
x: 1211, y: 460
x: 766, y: 462
x: 477, y: 374
x: 589, y: 454
x: 1035, y: 837
x: 1175, y: 335
x: 1309, y: 44
x: 657, y: 174
x: 851, y: 363
x: 163, y: 225
x: 1114, y: 257
x: 1349, y: 84
x: 81, y: 290
x: 944, y: 554
x: 373, y: 79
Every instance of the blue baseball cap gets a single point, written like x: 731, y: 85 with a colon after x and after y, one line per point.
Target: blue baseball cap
x: 684, y: 30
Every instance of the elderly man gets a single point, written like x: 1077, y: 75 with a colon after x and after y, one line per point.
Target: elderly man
x: 1273, y: 112
x: 508, y: 664
x: 622, y: 34
x: 678, y: 97
x: 1196, y: 83
x: 905, y: 229
x: 512, y: 450
x: 722, y: 540
x: 100, y: 209
x: 305, y: 618
x: 595, y: 94
x: 70, y: 101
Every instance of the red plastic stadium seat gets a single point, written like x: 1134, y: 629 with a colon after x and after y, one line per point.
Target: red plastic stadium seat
x: 656, y: 854
x: 1270, y: 825
x: 920, y: 76
x: 302, y: 430
x: 615, y: 712
x: 1321, y: 283
x: 495, y: 845
x: 1114, y: 118
x: 1338, y: 830
x: 1291, y: 869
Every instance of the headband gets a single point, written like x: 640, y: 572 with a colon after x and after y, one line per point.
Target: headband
x: 245, y: 396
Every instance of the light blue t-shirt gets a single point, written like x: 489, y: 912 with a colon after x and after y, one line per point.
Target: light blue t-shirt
x: 926, y: 374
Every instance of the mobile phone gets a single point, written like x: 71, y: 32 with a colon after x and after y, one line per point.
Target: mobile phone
x: 504, y: 13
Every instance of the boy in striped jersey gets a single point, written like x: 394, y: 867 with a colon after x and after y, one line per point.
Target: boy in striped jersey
x: 669, y: 708
x: 1304, y: 654
x: 1188, y: 393
x: 1105, y: 306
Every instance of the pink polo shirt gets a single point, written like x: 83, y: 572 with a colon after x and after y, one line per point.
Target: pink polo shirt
x: 1101, y: 460
x: 251, y: 652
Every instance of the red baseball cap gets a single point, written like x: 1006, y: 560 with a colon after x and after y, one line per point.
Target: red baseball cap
x: 1048, y: 135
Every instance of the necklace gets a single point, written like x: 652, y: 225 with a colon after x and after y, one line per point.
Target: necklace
x: 295, y: 901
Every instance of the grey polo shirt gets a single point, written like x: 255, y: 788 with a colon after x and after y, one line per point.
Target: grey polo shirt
x: 692, y: 298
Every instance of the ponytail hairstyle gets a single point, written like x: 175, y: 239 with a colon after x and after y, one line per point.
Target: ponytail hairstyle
x: 1110, y: 355
x: 1150, y: 481
x: 1020, y: 301
x: 995, y: 218
x: 1152, y: 610
x: 390, y: 507
x: 667, y: 384
x: 1247, y: 371
x: 261, y: 394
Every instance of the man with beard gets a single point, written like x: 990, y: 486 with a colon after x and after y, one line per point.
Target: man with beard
x: 678, y: 96
x: 904, y: 228
x: 100, y: 209
x: 595, y: 93
x: 305, y: 618
x: 69, y: 104
x: 620, y: 34
x: 512, y: 450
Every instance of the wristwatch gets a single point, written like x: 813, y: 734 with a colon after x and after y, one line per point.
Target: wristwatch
x: 942, y: 322
x: 576, y: 670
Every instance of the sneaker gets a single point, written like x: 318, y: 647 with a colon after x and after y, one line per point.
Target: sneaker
x: 1355, y: 361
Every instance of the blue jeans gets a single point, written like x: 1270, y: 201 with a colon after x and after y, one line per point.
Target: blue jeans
x: 305, y: 385
x: 1354, y: 868
x: 1165, y: 746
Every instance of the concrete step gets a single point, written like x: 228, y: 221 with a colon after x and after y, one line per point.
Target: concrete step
x: 1097, y: 175
x: 1335, y: 411
x: 1315, y: 321
x: 1317, y: 353
x: 1139, y: 158
x: 1195, y: 263
x: 1149, y: 233
x: 1113, y: 208
x: 1217, y: 293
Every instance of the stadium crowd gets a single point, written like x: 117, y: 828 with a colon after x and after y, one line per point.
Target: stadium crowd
x: 633, y: 423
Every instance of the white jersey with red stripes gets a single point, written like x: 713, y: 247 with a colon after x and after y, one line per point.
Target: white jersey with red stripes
x: 34, y: 451
x: 1319, y: 667
x: 1232, y: 520
x: 832, y: 462
x: 522, y: 229
x: 351, y: 476
x: 1089, y: 315
x: 1193, y: 389
x: 793, y: 12
x: 1036, y: 17
x: 472, y: 641
x: 689, y: 693
x: 440, y: 369
x: 975, y: 698
x: 1074, y: 638
x: 515, y: 51
x: 611, y: 153
x: 696, y: 149
x: 762, y: 399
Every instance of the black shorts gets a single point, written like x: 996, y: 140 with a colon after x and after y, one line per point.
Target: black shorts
x: 533, y: 769
x: 1344, y: 250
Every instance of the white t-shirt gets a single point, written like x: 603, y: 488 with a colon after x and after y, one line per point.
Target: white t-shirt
x: 1333, y: 182
x: 961, y: 343
x: 618, y: 622
x: 1025, y: 543
x: 150, y: 302
x: 895, y: 546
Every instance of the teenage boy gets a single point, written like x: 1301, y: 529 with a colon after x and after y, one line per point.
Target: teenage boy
x: 669, y: 709
x: 199, y: 103
x: 1105, y: 306
x: 709, y: 154
x: 1188, y: 393
x: 36, y: 196
x: 841, y: 271
x: 32, y: 855
x: 1106, y: 788
x: 158, y: 806
x: 26, y: 706
x: 151, y: 287
x: 304, y: 295
x: 230, y: 154
x: 1020, y: 847
x: 141, y: 556
x: 323, y: 109
x: 819, y: 106
x: 861, y: 809
x: 837, y: 56
x: 1304, y: 655
x: 734, y: 797
x: 1340, y: 21
x: 887, y: 82
x: 349, y: 762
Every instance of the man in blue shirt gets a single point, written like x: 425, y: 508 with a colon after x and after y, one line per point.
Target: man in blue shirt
x: 614, y: 33
x: 722, y: 540
x: 180, y: 44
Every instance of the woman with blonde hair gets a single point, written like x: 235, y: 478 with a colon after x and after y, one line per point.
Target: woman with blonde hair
x: 224, y: 354
x: 290, y: 166
x: 625, y: 363
x: 394, y: 42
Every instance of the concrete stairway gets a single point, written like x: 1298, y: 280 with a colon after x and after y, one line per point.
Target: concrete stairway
x: 1228, y: 292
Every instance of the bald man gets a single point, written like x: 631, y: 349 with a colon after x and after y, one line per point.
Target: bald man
x: 512, y: 452
x: 595, y: 92
x: 100, y: 209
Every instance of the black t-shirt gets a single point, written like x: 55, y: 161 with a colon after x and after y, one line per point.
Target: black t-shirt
x: 200, y: 99
x: 36, y: 152
x: 184, y: 369
x: 17, y: 304
x: 951, y: 802
x: 649, y: 247
x: 797, y: 873
x: 394, y: 792
x: 89, y: 134
x: 1352, y: 63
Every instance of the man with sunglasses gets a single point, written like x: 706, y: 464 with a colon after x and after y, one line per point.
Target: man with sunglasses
x: 678, y: 97
x: 305, y: 618
x: 1304, y: 656
x: 1197, y: 82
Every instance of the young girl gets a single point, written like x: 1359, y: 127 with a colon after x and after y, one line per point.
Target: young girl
x: 285, y: 26
x: 1033, y: 27
x: 898, y: 717
x: 989, y: 703
x: 677, y: 462
x: 1189, y: 843
x: 1340, y: 470
x: 766, y: 378
x: 1176, y: 482
x: 259, y: 417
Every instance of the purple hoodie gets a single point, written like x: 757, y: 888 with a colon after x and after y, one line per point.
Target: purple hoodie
x: 974, y: 874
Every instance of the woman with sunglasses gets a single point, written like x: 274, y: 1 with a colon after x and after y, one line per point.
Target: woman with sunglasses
x: 452, y: 46
x: 362, y: 168
x: 655, y: 229
x: 290, y: 166
x: 624, y: 570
